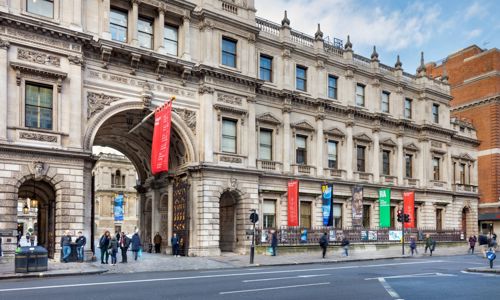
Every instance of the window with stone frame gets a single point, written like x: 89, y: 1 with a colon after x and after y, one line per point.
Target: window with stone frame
x: 265, y: 144
x: 436, y: 166
x: 408, y: 108
x: 386, y: 162
x: 118, y: 24
x: 229, y: 52
x: 145, y: 32
x: 360, y: 158
x: 435, y: 113
x: 332, y: 154
x: 337, y: 215
x: 38, y: 106
x: 360, y: 95
x: 43, y: 8
x: 266, y: 67
x: 408, y: 165
x: 332, y: 87
x: 269, y: 213
x: 305, y: 214
x: 301, y: 78
x: 171, y: 39
x: 229, y: 135
x: 439, y: 219
x: 301, y: 149
x: 366, y: 216
x: 384, y: 105
x: 462, y: 173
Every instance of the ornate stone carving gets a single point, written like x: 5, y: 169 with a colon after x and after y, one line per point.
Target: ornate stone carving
x: 268, y: 118
x: 230, y: 99
x: 286, y: 53
x: 206, y: 89
x: 233, y: 182
x: 4, y: 44
x: 96, y: 102
x: 231, y: 159
x: 39, y: 169
x: 75, y: 60
x: 146, y: 94
x: 38, y: 137
x: 304, y: 125
x: 38, y: 57
x: 188, y: 116
x: 26, y: 35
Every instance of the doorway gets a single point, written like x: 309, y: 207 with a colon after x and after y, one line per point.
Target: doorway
x: 227, y: 222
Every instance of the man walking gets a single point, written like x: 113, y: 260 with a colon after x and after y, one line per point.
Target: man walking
x: 175, y: 245
x: 472, y: 244
x: 124, y: 244
x: 81, y: 241
x: 66, y: 245
x: 274, y: 242
x: 323, y: 243
x: 157, y: 241
x: 345, y: 244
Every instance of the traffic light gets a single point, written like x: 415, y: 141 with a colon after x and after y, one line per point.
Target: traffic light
x: 407, y: 218
x: 400, y: 216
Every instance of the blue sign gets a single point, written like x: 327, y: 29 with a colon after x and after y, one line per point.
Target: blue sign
x: 491, y: 255
x: 118, y: 208
x: 326, y: 195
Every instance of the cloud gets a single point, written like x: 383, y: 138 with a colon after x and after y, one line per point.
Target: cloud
x: 473, y: 33
x: 476, y: 9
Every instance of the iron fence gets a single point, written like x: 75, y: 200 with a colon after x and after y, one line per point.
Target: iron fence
x: 288, y: 235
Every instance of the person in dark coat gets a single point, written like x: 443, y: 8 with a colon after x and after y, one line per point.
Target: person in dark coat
x: 66, y: 246
x: 323, y: 243
x: 104, y: 245
x: 157, y: 241
x: 472, y: 244
x: 345, y: 244
x: 80, y: 245
x: 124, y: 243
x: 274, y: 242
x: 136, y: 244
x: 113, y: 248
x: 413, y: 245
x: 175, y: 245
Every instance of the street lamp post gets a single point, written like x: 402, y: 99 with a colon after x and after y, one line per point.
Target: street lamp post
x: 254, y: 217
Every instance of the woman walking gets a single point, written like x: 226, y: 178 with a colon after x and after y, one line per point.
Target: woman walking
x: 113, y: 248
x: 136, y: 243
x: 104, y: 245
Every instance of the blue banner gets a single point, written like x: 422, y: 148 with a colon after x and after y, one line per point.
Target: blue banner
x: 118, y: 208
x: 326, y: 195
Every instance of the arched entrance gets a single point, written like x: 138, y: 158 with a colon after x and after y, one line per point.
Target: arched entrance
x: 36, y: 213
x: 227, y: 221
x: 465, y: 213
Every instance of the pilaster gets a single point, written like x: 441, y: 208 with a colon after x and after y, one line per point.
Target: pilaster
x: 400, y: 159
x: 208, y: 131
x: 104, y: 11
x: 4, y: 48
x: 376, y: 155
x: 170, y: 191
x: 349, y: 167
x: 252, y: 139
x: 159, y: 30
x: 134, y: 19
x: 186, y: 47
x: 287, y: 136
x: 319, y: 142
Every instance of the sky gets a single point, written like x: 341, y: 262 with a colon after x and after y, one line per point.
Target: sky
x: 438, y: 28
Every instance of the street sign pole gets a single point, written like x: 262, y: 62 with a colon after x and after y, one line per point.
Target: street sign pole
x: 403, y: 227
x: 252, y: 247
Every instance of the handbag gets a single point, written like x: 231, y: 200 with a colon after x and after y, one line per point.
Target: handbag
x: 139, y: 253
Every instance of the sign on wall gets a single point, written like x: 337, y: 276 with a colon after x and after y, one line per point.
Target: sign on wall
x: 327, y: 197
x: 384, y: 198
x: 293, y: 203
x: 409, y: 208
x: 357, y: 206
x: 118, y: 208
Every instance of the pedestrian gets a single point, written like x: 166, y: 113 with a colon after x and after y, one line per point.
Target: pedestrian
x: 323, y: 243
x: 66, y: 245
x: 493, y: 242
x: 104, y: 245
x: 117, y: 235
x: 175, y: 245
x: 157, y: 241
x: 413, y: 245
x: 274, y: 242
x: 19, y: 235
x: 32, y: 239
x: 136, y: 244
x: 345, y: 244
x: 113, y: 249
x: 472, y: 244
x: 27, y: 237
x: 81, y: 241
x: 124, y: 244
x: 429, y: 244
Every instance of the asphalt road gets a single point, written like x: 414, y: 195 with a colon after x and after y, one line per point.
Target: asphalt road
x: 419, y: 278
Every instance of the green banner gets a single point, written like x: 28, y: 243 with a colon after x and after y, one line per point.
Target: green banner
x: 384, y: 199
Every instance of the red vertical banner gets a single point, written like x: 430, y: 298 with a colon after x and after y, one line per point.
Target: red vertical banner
x: 161, y: 139
x: 293, y: 203
x: 409, y: 208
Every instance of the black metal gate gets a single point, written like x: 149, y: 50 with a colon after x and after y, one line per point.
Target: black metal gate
x: 181, y: 213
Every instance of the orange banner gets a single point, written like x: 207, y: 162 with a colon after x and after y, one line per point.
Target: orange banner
x: 293, y: 203
x: 161, y: 139
x: 409, y: 208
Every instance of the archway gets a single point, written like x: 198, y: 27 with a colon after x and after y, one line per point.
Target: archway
x: 227, y: 221
x: 36, y: 213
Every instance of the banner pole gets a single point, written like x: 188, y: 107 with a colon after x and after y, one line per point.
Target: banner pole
x: 147, y: 117
x: 403, y: 225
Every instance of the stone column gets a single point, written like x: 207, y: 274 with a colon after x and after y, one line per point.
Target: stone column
x: 288, y: 72
x: 252, y: 138
x: 208, y: 131
x: 4, y: 48
x: 4, y: 6
x: 376, y: 155
x: 70, y: 112
x: 186, y: 47
x: 252, y: 61
x: 159, y: 30
x: 425, y: 162
x: 319, y: 143
x: 206, y: 33
x: 400, y: 159
x: 77, y: 14
x: 349, y: 164
x: 155, y: 211
x: 170, y: 191
x: 448, y: 174
x: 287, y: 136
x: 104, y: 12
x: 133, y: 20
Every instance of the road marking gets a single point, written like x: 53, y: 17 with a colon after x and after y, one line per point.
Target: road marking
x: 216, y: 275
x: 413, y: 276
x: 274, y: 288
x: 388, y: 288
x: 281, y: 278
x: 479, y: 273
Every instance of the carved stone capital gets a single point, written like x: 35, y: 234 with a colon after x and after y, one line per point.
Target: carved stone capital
x: 251, y: 99
x: 97, y: 102
x: 75, y: 60
x: 4, y: 44
x: 136, y: 2
x: 206, y: 89
x: 186, y: 19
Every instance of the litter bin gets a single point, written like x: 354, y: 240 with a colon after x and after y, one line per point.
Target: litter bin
x: 31, y: 259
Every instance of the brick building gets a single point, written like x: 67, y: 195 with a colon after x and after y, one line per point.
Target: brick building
x: 474, y: 77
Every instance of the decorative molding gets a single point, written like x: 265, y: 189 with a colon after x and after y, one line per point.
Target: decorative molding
x: 231, y: 159
x: 75, y: 60
x: 463, y: 156
x: 29, y: 35
x: 232, y: 110
x: 37, y: 137
x: 389, y: 143
x: 4, y: 44
x: 268, y: 118
x: 334, y: 132
x: 38, y: 57
x: 229, y: 99
x: 411, y: 147
x: 206, y: 90
x: 96, y: 102
x: 39, y: 169
x: 23, y: 69
x: 303, y: 125
x: 363, y: 137
x: 188, y: 116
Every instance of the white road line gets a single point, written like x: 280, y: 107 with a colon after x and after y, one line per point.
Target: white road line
x: 215, y: 275
x: 274, y: 288
x: 413, y: 276
x: 479, y: 274
x: 281, y: 278
x: 388, y: 288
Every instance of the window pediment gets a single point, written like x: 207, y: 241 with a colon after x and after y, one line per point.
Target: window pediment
x: 363, y: 137
x: 268, y: 118
x: 43, y: 73
x: 241, y: 113
x: 334, y: 132
x: 411, y: 147
x: 388, y: 143
x: 464, y: 157
x: 303, y: 125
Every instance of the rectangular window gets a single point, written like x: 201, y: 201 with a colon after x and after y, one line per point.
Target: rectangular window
x: 305, y: 214
x: 266, y: 144
x: 435, y: 113
x: 386, y: 162
x: 118, y: 21
x: 408, y: 111
x: 385, y: 102
x: 435, y: 168
x: 462, y: 173
x: 301, y: 78
x: 229, y: 52
x: 409, y: 166
x: 366, y: 216
x: 332, y: 87
x: 301, y: 149
x: 360, y: 95
x: 170, y: 39
x: 337, y: 216
x: 41, y: 7
x: 266, y: 67
x: 38, y: 106
x: 228, y: 136
x: 269, y: 213
x: 360, y: 155
x: 332, y: 154
x: 145, y: 33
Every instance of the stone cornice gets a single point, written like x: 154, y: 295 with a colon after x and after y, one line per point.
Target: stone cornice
x: 227, y: 75
x: 489, y: 100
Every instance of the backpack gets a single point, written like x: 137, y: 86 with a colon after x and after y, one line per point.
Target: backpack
x: 127, y: 242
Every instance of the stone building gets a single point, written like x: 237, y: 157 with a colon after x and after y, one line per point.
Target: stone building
x: 114, y: 175
x: 257, y: 104
x: 474, y: 77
